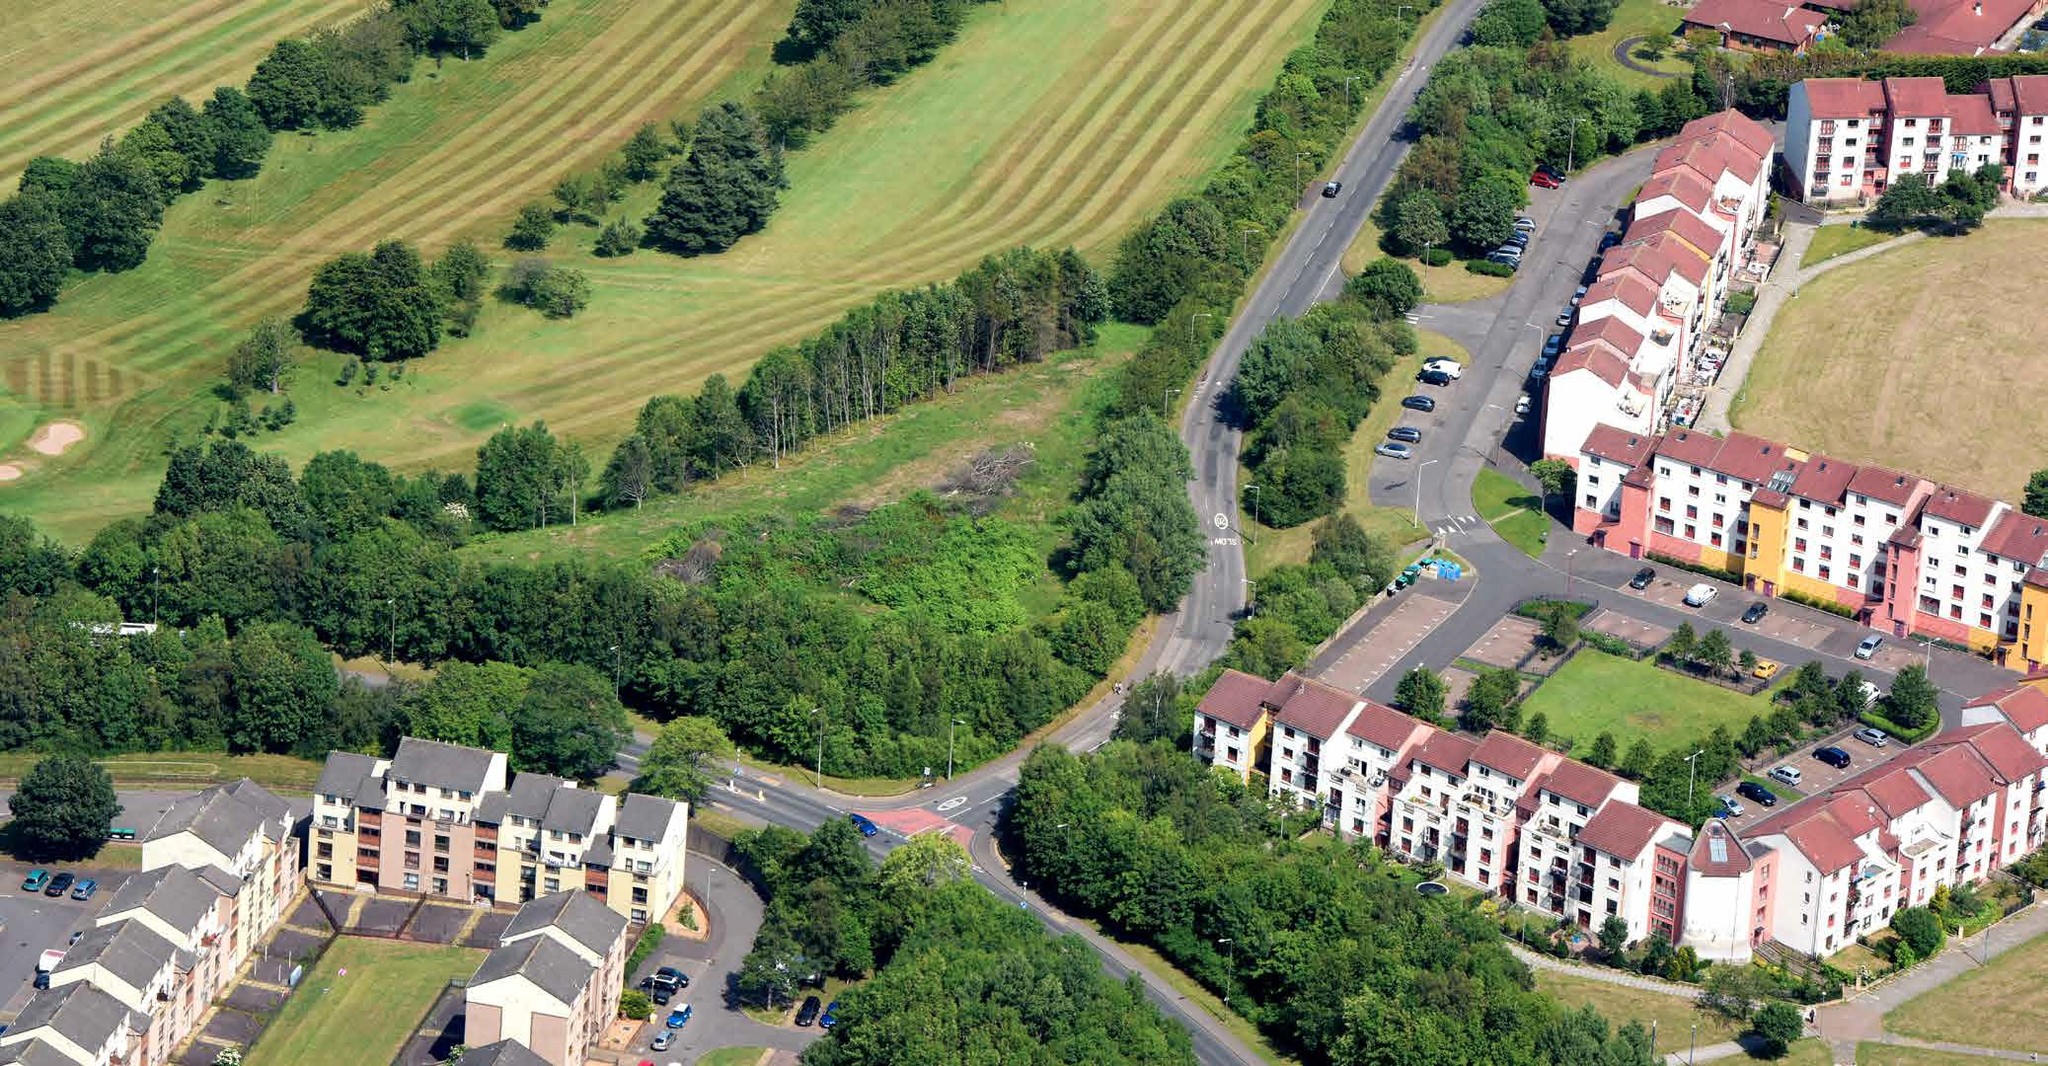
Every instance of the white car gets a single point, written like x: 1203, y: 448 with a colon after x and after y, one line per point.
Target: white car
x: 1522, y: 404
x: 1700, y: 595
x: 1445, y: 366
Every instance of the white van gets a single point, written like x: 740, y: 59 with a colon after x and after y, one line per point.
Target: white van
x: 1699, y: 595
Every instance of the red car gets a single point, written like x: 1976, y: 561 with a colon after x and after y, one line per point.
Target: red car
x: 1544, y: 179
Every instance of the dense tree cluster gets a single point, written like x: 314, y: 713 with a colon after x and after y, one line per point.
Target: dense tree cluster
x: 1012, y: 309
x: 1956, y: 206
x: 957, y: 976
x: 1133, y: 513
x: 103, y: 214
x: 724, y: 188
x: 841, y: 46
x: 381, y: 306
x: 1872, y: 22
x: 1326, y: 948
x: 1298, y: 605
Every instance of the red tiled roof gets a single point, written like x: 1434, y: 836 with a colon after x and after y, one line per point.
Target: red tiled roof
x: 1970, y: 116
x: 1379, y: 724
x: 1749, y: 458
x: 1622, y: 829
x: 1681, y: 185
x: 2031, y: 93
x: 1683, y: 225
x: 2003, y: 98
x: 1823, y: 480
x: 1879, y: 483
x: 1959, y: 774
x: 1786, y: 24
x: 1746, y: 131
x: 1446, y: 751
x: 1311, y: 706
x: 1509, y: 754
x: 1824, y: 842
x: 1711, y: 158
x: 1609, y: 330
x: 1580, y: 783
x: 1236, y: 698
x: 1617, y: 445
x: 1843, y: 97
x: 2024, y: 705
x: 1959, y: 506
x: 1656, y: 258
x: 1896, y: 792
x: 2020, y: 536
x: 2002, y: 746
x: 1628, y: 290
x: 1916, y: 97
x: 1605, y: 365
x: 1957, y: 27
x: 1732, y: 860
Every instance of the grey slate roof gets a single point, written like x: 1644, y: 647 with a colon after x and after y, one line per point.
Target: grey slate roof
x: 347, y: 775
x: 269, y: 804
x: 558, y: 971
x: 553, y: 802
x: 573, y: 810
x: 224, y: 816
x: 221, y: 879
x: 599, y: 853
x: 79, y: 1012
x: 582, y: 917
x: 644, y: 817
x: 129, y: 950
x: 507, y: 1052
x: 427, y: 762
x: 173, y: 893
x: 36, y: 1052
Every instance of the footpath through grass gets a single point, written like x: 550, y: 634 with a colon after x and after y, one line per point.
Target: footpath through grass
x: 1598, y: 693
x: 2016, y: 981
x: 1513, y: 511
x: 365, y: 996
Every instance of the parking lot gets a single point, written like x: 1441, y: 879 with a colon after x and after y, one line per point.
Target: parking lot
x: 1726, y: 608
x: 1815, y: 775
x: 31, y: 924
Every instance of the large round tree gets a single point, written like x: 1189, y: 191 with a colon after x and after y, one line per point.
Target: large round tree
x: 62, y: 810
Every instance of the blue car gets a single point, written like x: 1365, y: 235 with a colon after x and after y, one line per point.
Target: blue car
x: 679, y: 1017
x: 866, y: 827
x: 831, y: 1016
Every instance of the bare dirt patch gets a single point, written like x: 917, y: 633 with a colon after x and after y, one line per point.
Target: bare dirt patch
x: 54, y: 438
x: 9, y: 472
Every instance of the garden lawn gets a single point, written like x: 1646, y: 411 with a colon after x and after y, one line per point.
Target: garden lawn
x: 732, y: 1056
x: 1635, y: 18
x: 2016, y: 981
x: 1831, y: 241
x: 1052, y: 123
x: 1900, y: 1055
x: 1513, y: 511
x: 1915, y: 335
x: 188, y: 769
x: 1674, y: 1016
x: 1598, y: 693
x: 370, y: 1010
x: 1450, y: 284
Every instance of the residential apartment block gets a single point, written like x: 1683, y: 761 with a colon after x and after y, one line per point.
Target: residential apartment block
x: 1847, y: 140
x: 218, y: 871
x: 1557, y: 836
x: 553, y: 982
x: 1905, y: 555
x: 1642, y: 324
x: 441, y: 819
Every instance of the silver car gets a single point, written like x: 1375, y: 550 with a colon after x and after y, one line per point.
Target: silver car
x: 1393, y: 450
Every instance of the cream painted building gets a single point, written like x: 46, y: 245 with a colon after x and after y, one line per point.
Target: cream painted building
x: 553, y: 983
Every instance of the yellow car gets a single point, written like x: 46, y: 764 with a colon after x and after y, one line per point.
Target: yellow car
x: 1766, y: 669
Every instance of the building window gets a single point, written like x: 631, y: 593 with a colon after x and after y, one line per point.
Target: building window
x: 412, y: 838
x: 1799, y: 564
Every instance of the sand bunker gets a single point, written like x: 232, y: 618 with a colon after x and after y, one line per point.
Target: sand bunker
x: 9, y: 472
x: 54, y: 438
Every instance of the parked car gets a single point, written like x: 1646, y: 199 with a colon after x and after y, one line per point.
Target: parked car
x: 1609, y: 239
x: 1552, y: 345
x: 831, y: 1016
x: 1766, y: 669
x: 84, y: 889
x: 76, y: 936
x: 1445, y: 366
x: 1700, y: 595
x: 1540, y: 371
x: 1579, y: 295
x: 1756, y: 612
x: 1876, y: 738
x: 861, y: 822
x: 1393, y: 451
x: 663, y: 1040
x: 1868, y: 646
x: 1405, y: 434
x: 1564, y: 318
x: 1507, y: 257
x: 1525, y: 224
x: 679, y: 1017
x: 1331, y: 189
x: 1434, y: 377
x: 681, y: 979
x: 808, y: 1013
x: 1522, y: 404
x: 1517, y: 240
x: 42, y: 980
x: 59, y: 885
x: 1544, y: 180
x: 1642, y: 579
x: 1732, y: 806
x: 1756, y: 793
x: 660, y: 992
x: 36, y: 880
x: 1418, y: 403
x: 1833, y: 756
x: 1789, y: 775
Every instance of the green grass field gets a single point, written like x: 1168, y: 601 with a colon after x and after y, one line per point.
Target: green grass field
x: 1892, y: 332
x: 1674, y: 1016
x: 732, y: 1056
x: 1831, y: 241
x: 1513, y: 511
x: 195, y: 769
x: 1868, y: 1054
x: 370, y: 1009
x: 83, y: 69
x: 1635, y: 18
x: 1057, y: 122
x: 1597, y: 692
x: 2016, y: 981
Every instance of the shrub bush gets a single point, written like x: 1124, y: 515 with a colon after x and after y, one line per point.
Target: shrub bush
x: 1741, y: 303
x: 1437, y: 257
x: 1876, y: 720
x: 1489, y: 268
x: 1674, y: 562
x: 1817, y: 603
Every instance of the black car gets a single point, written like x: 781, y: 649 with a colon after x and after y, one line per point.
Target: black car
x: 1418, y: 403
x: 681, y: 979
x: 1756, y: 612
x: 808, y: 1013
x: 1833, y: 756
x: 1434, y: 377
x: 1750, y: 790
x: 1405, y: 434
x: 1642, y: 579
x: 1331, y: 189
x: 59, y: 885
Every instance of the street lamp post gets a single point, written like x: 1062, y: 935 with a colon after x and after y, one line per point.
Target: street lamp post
x: 1347, y: 92
x: 1691, y: 772
x: 1298, y: 157
x: 1694, y: 1047
x: 819, y: 714
x: 1571, y: 145
x: 618, y: 664
x: 1251, y: 603
x: 1254, y: 490
x: 1418, y: 488
x: 1568, y: 572
x: 156, y: 574
x: 949, y: 747
x: 1166, y: 403
x: 391, y: 643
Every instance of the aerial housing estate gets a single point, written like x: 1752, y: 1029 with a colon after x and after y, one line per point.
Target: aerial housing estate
x: 1563, y: 838
x: 218, y: 870
x: 1642, y: 324
x: 1847, y: 140
x: 442, y: 819
x: 552, y: 984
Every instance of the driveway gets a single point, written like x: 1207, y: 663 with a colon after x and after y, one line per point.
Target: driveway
x: 33, y: 924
